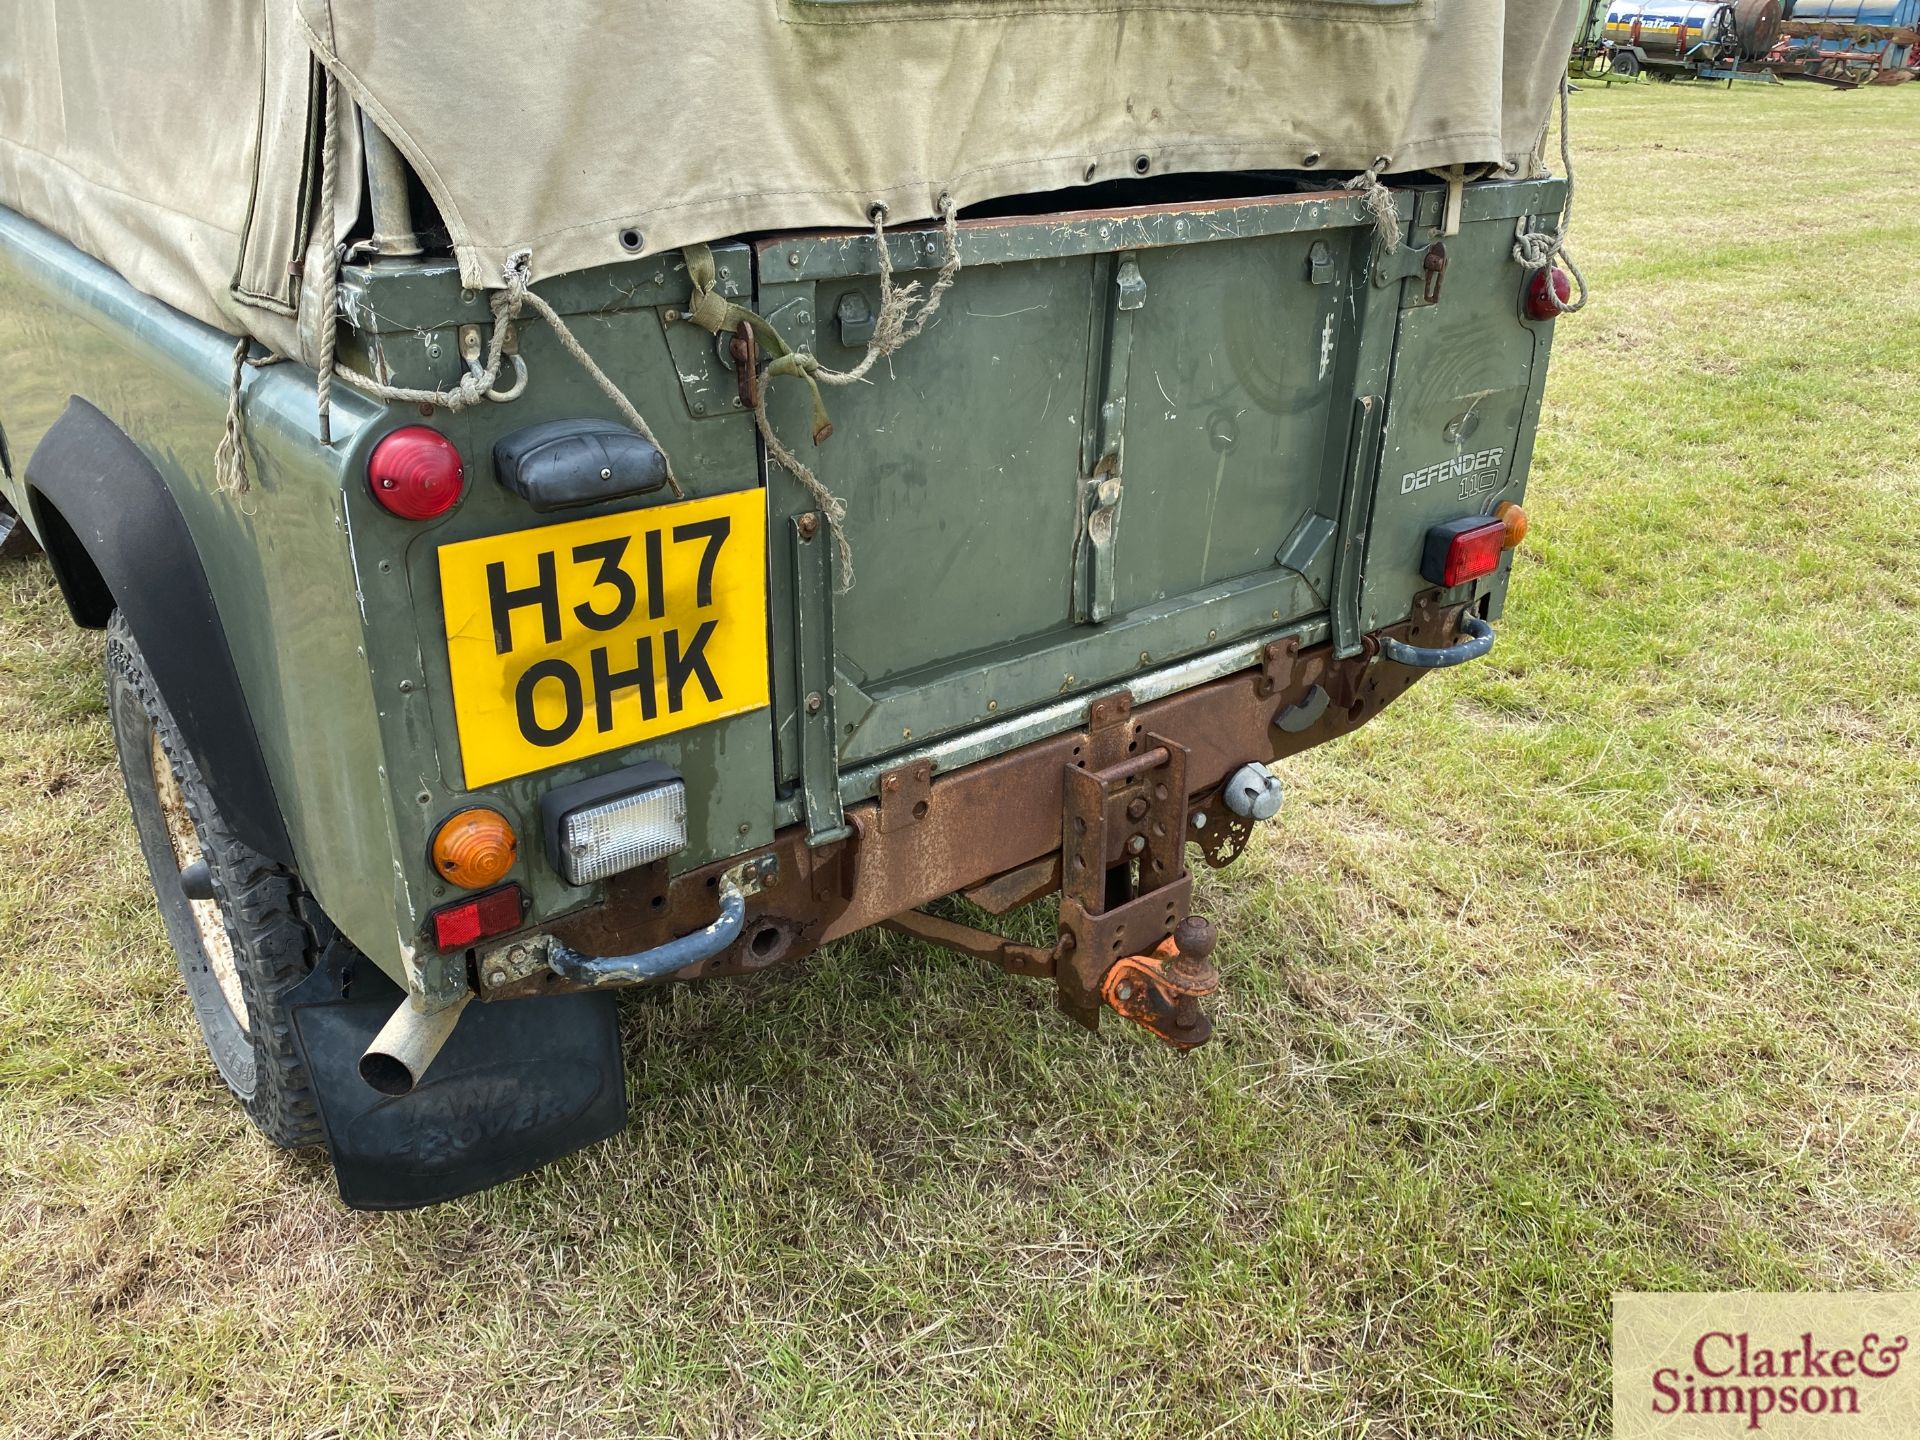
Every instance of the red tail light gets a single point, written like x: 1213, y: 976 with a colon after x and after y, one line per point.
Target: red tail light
x: 494, y: 913
x: 1463, y: 550
x: 415, y: 473
x: 1539, y: 306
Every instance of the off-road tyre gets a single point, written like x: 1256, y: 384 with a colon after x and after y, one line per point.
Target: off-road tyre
x: 272, y: 928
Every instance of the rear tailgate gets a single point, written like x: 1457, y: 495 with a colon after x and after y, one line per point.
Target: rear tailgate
x: 1127, y: 439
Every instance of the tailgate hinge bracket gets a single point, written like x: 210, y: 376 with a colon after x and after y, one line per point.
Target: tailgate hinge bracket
x: 814, y: 678
x: 906, y: 796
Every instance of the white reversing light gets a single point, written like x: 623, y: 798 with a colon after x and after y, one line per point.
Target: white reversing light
x: 603, y: 839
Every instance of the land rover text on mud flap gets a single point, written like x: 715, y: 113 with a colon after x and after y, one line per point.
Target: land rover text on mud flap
x: 550, y: 554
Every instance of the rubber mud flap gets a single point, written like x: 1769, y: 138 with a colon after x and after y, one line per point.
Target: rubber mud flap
x: 520, y: 1084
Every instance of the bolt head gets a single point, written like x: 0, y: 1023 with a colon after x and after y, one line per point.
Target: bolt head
x: 496, y: 977
x: 1124, y: 991
x: 1136, y: 844
x: 1137, y: 808
x: 814, y: 702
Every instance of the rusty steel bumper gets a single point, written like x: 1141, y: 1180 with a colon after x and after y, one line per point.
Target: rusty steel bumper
x: 1102, y: 814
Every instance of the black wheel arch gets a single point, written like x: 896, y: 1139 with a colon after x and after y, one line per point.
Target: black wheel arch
x: 115, y: 538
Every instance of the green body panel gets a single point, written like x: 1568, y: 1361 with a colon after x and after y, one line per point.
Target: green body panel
x: 280, y: 564
x: 1255, y: 376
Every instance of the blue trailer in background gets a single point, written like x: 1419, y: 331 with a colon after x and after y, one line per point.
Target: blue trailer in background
x: 1849, y: 42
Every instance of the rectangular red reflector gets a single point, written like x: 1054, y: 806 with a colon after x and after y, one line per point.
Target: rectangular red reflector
x: 465, y: 921
x: 1463, y: 550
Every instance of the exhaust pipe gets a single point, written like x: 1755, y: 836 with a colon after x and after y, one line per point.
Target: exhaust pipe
x: 406, y: 1045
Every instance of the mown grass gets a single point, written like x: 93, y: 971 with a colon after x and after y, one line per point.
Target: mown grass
x: 1591, y: 967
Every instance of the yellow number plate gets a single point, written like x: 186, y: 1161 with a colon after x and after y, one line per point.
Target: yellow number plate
x: 573, y: 639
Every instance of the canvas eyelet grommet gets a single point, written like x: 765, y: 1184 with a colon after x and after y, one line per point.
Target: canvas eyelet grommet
x: 632, y: 241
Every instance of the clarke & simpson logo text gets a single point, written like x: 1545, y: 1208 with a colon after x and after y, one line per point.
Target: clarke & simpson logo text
x: 1787, y: 1366
x: 1739, y: 1374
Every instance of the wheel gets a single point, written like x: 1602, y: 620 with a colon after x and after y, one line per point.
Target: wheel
x: 1626, y: 64
x: 235, y: 917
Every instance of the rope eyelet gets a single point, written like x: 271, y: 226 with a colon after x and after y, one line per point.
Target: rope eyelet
x: 495, y: 394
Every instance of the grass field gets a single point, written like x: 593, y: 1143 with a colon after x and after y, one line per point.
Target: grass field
x: 1591, y: 967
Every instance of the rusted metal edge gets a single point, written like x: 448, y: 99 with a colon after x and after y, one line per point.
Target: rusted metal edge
x: 989, y: 820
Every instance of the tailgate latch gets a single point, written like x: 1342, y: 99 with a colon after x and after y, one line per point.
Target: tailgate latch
x: 1434, y: 271
x: 1426, y: 263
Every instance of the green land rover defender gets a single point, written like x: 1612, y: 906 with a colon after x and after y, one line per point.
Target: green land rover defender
x: 641, y: 493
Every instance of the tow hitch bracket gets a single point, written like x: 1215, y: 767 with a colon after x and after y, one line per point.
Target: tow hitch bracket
x: 1125, y: 940
x: 1123, y: 876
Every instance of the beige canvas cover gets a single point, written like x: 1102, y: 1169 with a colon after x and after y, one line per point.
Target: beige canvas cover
x: 175, y: 142
x: 178, y: 142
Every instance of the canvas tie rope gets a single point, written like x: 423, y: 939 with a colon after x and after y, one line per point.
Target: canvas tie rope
x: 506, y: 304
x: 831, y: 505
x: 475, y: 385
x: 898, y: 321
x: 230, y: 458
x: 1537, y: 250
x: 1379, y: 202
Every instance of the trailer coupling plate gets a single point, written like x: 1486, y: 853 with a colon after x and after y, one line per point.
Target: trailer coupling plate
x: 1162, y: 991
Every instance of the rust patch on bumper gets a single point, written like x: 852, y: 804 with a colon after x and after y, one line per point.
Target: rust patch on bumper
x: 994, y: 828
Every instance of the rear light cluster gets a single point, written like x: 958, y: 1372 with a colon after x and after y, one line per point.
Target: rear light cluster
x: 475, y: 848
x: 416, y: 473
x: 1463, y: 550
x: 594, y: 829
